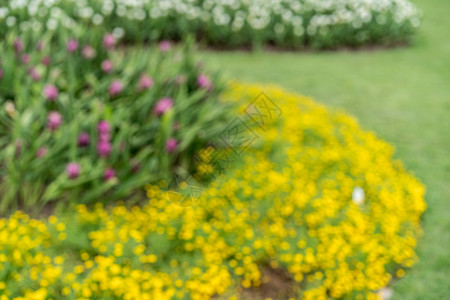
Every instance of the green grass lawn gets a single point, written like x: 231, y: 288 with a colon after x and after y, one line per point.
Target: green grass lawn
x: 403, y: 95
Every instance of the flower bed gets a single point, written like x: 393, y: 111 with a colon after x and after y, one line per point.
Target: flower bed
x: 81, y: 119
x: 287, y: 23
x: 314, y: 195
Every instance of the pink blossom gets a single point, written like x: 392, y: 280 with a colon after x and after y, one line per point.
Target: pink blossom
x: 145, y: 82
x: 104, y: 149
x: 41, y: 152
x: 25, y: 58
x: 104, y: 137
x: 88, y: 52
x: 109, y: 41
x: 39, y: 46
x: 45, y: 60
x: 103, y: 127
x: 115, y: 88
x: 171, y: 145
x: 18, y: 45
x: 204, y: 82
x: 73, y: 170
x: 54, y: 120
x: 162, y: 106
x: 51, y: 92
x: 34, y: 74
x: 165, y: 46
x: 107, y: 66
x: 72, y: 45
x: 83, y: 139
x: 109, y: 174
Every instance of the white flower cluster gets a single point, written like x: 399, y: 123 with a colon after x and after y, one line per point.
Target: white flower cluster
x: 285, y: 19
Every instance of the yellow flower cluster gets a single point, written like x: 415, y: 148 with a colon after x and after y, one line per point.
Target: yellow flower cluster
x: 287, y: 202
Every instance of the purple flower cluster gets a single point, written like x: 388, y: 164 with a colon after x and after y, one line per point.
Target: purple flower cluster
x: 171, y: 145
x: 165, y: 46
x: 54, y: 120
x: 145, y: 82
x: 51, y: 92
x: 162, y: 106
x: 115, y: 88
x: 35, y: 75
x: 109, y: 41
x: 73, y: 170
x: 57, y: 94
x: 204, y: 82
x: 109, y: 174
x: 107, y: 66
x: 72, y: 46
x: 88, y: 52
x: 104, y: 146
x: 84, y: 139
x: 18, y: 45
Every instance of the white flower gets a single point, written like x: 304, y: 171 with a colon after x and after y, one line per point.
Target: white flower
x: 52, y: 24
x: 3, y: 12
x: 97, y: 19
x: 385, y: 293
x: 118, y: 32
x: 11, y: 21
x: 358, y: 196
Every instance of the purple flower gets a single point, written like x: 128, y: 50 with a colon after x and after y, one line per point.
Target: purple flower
x: 171, y: 145
x: 162, y: 106
x: 39, y: 46
x: 25, y: 58
x: 34, y: 74
x: 115, y: 88
x: 165, y: 46
x: 41, y: 152
x: 109, y: 41
x: 104, y: 149
x: 145, y: 82
x: 204, y: 82
x: 72, y: 45
x: 84, y: 139
x: 54, y: 120
x: 109, y: 174
x: 104, y: 137
x: 107, y: 66
x: 73, y: 170
x: 18, y: 45
x: 88, y: 52
x: 51, y: 92
x: 103, y: 127
x: 45, y: 60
